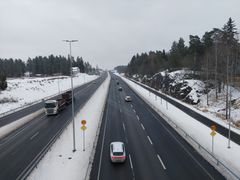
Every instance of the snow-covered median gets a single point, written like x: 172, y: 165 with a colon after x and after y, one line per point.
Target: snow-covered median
x: 198, y: 131
x: 61, y: 163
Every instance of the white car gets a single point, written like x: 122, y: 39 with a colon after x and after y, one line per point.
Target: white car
x: 117, y: 152
x: 128, y: 98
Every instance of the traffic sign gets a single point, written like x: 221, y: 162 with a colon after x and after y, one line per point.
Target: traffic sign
x: 84, y: 122
x: 213, y: 133
x: 213, y: 127
x: 84, y: 128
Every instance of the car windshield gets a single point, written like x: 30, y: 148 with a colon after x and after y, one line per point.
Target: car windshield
x: 117, y: 153
x: 50, y: 105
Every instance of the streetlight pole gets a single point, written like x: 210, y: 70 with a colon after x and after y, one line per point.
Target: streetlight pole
x: 73, y: 121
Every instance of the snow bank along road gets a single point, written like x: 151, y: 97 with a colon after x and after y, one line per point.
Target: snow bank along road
x: 154, y: 149
x: 30, y: 109
x: 61, y: 163
x: 235, y: 137
x: 19, y: 149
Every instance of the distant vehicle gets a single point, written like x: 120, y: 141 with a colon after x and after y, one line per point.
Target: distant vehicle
x: 117, y: 152
x: 120, y: 88
x: 128, y: 99
x: 94, y: 82
x: 53, y: 107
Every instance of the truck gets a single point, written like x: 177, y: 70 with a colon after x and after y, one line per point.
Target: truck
x: 68, y: 97
x: 53, y: 107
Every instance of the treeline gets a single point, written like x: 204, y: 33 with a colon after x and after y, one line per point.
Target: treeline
x: 43, y: 65
x: 215, y: 55
x: 121, y: 69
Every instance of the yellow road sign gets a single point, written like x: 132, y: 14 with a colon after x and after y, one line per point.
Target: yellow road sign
x: 213, y: 133
x: 83, y: 128
x: 213, y: 127
x: 83, y: 122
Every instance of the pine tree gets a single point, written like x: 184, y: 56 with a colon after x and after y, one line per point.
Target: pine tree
x: 3, y: 82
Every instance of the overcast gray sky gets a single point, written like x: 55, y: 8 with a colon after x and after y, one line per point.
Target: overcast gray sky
x: 110, y: 32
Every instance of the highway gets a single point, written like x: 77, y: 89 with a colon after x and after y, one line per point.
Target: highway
x: 31, y: 109
x: 20, y: 149
x: 235, y: 137
x: 154, y: 150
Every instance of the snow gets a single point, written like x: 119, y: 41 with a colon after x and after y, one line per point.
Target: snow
x: 22, y: 92
x: 61, y: 163
x: 217, y: 107
x: 196, y: 130
x: 4, y: 130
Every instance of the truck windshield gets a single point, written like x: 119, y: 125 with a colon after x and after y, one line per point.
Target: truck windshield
x: 50, y: 105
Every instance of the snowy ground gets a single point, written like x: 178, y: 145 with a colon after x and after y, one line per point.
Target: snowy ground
x: 61, y: 163
x: 215, y: 109
x: 24, y: 91
x: 196, y: 130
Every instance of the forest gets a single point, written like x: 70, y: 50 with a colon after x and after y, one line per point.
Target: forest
x: 214, y: 56
x: 42, y: 65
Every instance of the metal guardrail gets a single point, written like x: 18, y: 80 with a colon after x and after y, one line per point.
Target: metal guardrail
x: 33, y: 164
x: 38, y: 101
x: 235, y: 137
x: 28, y: 105
x: 198, y: 147
x: 91, y: 158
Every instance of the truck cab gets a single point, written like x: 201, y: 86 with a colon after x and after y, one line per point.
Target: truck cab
x: 51, y: 107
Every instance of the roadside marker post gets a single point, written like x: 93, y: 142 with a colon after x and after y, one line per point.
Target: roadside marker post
x: 213, y: 133
x: 83, y: 128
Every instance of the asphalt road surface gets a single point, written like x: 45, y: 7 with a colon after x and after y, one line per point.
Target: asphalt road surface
x: 204, y: 120
x: 18, y: 149
x: 31, y: 109
x: 154, y: 150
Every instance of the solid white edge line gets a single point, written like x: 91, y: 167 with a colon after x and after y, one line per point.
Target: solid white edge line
x: 31, y: 138
x: 164, y: 167
x: 104, y: 133
x: 142, y: 126
x: 130, y: 160
x: 149, y: 140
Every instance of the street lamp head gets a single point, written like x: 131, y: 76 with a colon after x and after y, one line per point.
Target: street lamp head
x: 70, y: 40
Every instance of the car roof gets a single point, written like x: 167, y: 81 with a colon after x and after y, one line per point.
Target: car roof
x: 50, y: 101
x: 117, y: 146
